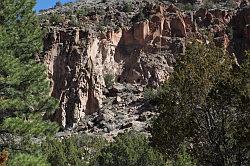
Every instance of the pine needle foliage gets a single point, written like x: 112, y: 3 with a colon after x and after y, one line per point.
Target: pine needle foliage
x: 20, y: 31
x: 24, y: 88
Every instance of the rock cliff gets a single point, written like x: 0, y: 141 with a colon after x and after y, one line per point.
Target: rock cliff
x: 142, y: 53
x: 78, y: 62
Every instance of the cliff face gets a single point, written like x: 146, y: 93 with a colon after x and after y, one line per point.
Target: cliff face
x: 78, y: 60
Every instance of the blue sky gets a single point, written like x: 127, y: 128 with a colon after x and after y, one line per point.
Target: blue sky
x: 45, y: 4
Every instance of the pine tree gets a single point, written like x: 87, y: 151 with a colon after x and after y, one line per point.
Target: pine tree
x: 20, y: 29
x: 24, y: 88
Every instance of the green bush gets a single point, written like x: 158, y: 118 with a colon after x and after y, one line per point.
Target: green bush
x: 130, y: 149
x: 27, y: 160
x: 74, y: 22
x: 80, y: 150
x: 83, y: 11
x: 231, y: 4
x: 56, y: 19
x: 208, y: 4
x: 149, y: 94
x: 154, y: 95
x: 183, y: 158
x: 127, y: 7
x: 187, y: 7
x: 109, y: 80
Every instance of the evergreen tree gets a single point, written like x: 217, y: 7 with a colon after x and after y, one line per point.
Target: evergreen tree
x: 20, y: 31
x: 24, y: 88
x: 205, y: 105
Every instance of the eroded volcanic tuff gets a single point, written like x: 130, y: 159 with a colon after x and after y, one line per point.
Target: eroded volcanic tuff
x: 103, y: 55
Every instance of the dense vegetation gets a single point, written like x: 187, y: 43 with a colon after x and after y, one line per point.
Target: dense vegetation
x: 204, y: 108
x: 130, y: 149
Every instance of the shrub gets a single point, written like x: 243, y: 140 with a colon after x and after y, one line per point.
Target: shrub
x: 27, y: 160
x: 187, y: 7
x: 127, y: 7
x: 74, y: 21
x: 76, y: 150
x: 58, y: 4
x: 56, y: 19
x: 231, y: 4
x: 149, y: 93
x: 130, y: 149
x: 109, y: 80
x: 154, y: 95
x: 183, y: 158
x: 82, y: 12
x: 208, y: 4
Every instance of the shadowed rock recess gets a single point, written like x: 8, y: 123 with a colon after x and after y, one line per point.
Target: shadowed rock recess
x: 135, y: 48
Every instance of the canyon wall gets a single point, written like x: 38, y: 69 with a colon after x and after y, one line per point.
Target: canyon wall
x: 78, y: 60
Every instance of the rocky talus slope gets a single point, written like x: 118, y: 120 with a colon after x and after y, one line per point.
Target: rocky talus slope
x: 82, y: 61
